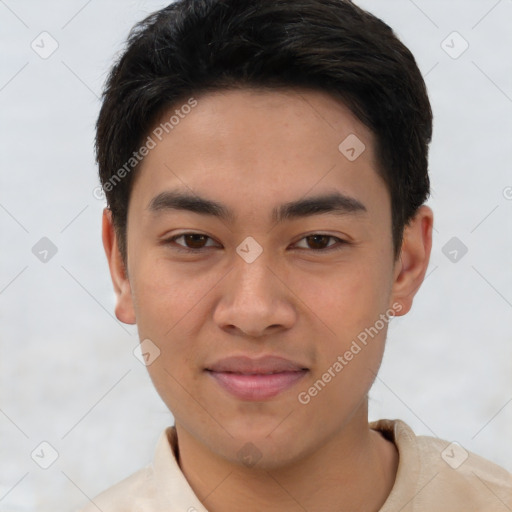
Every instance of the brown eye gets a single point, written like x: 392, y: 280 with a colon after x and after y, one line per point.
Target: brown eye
x: 192, y: 242
x: 320, y: 242
x: 195, y: 241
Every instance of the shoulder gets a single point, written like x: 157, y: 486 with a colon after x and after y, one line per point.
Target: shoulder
x: 129, y: 494
x: 142, y: 489
x: 464, y: 474
x: 434, y: 474
x: 156, y: 487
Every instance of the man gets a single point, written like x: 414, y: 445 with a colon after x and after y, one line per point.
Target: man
x: 265, y: 166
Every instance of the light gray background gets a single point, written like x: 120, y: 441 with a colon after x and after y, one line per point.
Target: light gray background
x: 67, y: 372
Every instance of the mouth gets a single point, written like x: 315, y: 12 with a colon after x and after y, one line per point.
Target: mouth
x: 256, y: 379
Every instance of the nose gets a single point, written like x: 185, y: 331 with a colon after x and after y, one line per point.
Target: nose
x: 255, y: 300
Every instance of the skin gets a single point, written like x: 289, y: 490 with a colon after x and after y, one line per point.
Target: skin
x: 253, y: 150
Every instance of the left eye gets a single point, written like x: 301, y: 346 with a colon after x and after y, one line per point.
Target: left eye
x: 319, y: 239
x: 195, y: 242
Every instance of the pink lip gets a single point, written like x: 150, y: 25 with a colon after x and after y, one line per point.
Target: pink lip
x: 246, y: 364
x: 257, y: 386
x: 256, y: 379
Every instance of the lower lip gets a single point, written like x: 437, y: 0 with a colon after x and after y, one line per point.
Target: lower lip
x: 257, y: 387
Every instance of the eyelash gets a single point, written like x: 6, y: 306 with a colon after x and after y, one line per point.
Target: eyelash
x: 179, y: 248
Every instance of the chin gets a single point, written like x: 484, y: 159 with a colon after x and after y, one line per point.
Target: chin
x: 255, y: 449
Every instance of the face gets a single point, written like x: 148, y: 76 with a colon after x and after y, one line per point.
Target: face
x: 282, y: 258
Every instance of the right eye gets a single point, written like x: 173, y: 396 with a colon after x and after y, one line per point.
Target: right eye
x: 194, y: 242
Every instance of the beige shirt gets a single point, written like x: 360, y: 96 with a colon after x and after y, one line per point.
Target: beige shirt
x: 433, y: 475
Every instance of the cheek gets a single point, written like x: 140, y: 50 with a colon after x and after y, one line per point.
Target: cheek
x: 337, y: 389
x: 167, y: 296
x: 163, y: 302
x: 347, y: 300
x: 349, y: 358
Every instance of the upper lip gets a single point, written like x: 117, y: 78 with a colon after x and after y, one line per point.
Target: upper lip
x: 245, y: 364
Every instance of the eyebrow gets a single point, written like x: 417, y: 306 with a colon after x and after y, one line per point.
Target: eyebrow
x: 334, y: 203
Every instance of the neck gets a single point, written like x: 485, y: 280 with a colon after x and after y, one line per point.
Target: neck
x: 354, y: 470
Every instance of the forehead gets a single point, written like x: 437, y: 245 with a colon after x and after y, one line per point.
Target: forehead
x: 253, y: 147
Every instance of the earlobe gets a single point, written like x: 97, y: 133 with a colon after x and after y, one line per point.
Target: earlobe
x: 124, y: 310
x: 414, y: 258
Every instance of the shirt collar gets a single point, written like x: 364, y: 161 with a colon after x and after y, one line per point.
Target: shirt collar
x: 176, y: 495
x: 174, y: 491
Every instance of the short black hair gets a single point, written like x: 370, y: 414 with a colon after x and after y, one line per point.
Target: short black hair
x: 198, y: 46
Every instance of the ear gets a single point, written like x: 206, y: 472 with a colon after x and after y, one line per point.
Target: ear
x: 124, y: 310
x: 412, y: 265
